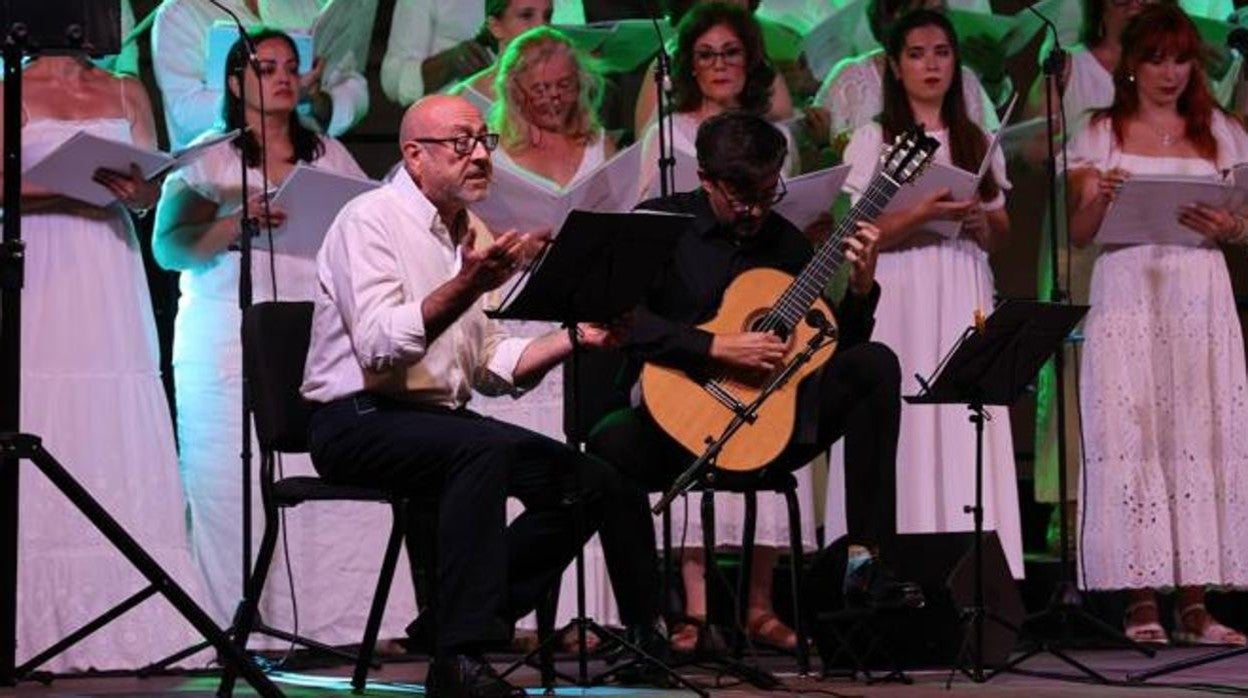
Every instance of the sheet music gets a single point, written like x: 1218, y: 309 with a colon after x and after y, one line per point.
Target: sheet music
x: 1146, y: 210
x: 311, y: 198
x: 986, y: 163
x: 826, y: 42
x: 811, y: 195
x: 523, y: 201
x: 618, y: 46
x: 69, y: 168
x: 223, y: 35
x: 960, y: 183
x: 1015, y: 138
x: 341, y: 39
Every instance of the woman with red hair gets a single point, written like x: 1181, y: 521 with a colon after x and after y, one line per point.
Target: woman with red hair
x: 1164, y: 394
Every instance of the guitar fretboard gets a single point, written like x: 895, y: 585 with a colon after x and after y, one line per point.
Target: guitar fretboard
x: 801, y: 294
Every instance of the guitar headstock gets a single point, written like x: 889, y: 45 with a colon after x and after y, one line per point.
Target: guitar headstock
x: 909, y: 154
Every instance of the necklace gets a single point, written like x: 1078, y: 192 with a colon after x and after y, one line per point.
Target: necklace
x: 1167, y: 138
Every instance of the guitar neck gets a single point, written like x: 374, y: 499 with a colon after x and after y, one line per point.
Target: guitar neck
x: 808, y: 285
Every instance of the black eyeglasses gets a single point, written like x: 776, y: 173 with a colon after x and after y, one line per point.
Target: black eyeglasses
x: 765, y: 201
x: 465, y: 143
x: 733, y: 56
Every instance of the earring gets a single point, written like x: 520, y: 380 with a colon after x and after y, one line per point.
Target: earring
x: 1131, y: 77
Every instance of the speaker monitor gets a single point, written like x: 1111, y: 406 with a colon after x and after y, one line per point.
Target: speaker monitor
x: 943, y: 564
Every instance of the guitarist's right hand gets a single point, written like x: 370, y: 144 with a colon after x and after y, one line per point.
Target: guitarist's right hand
x: 751, y: 351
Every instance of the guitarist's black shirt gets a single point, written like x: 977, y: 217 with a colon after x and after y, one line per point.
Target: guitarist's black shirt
x: 706, y: 258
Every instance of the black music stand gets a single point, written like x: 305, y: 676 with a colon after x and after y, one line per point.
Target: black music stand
x: 992, y: 364
x: 77, y: 26
x: 597, y: 269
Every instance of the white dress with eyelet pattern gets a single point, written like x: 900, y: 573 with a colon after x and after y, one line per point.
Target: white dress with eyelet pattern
x: 1164, y: 398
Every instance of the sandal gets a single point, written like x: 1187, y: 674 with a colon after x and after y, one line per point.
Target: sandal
x: 1143, y: 633
x: 1211, y: 631
x: 767, y: 629
x: 686, y: 635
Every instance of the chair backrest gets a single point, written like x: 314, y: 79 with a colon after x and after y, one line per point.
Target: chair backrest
x: 275, y: 346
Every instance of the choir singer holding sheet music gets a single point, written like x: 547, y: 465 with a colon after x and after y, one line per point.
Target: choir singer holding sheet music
x: 91, y: 386
x: 933, y: 285
x: 334, y: 95
x: 197, y: 224
x: 1165, y: 490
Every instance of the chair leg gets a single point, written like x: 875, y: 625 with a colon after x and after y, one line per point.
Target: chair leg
x: 796, y: 567
x: 367, y: 646
x: 745, y: 576
x: 249, y: 608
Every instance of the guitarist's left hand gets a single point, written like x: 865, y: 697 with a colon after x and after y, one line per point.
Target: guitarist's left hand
x: 862, y: 250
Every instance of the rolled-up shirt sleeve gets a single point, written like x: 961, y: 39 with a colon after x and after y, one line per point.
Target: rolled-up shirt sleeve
x: 496, y: 372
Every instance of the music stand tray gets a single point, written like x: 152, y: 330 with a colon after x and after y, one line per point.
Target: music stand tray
x: 993, y: 363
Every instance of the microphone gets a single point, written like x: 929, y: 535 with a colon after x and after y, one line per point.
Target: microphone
x: 1056, y: 60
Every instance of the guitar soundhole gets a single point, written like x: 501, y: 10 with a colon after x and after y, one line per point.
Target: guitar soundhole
x: 763, y: 321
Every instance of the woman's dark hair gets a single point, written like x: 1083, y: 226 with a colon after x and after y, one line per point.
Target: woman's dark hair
x: 1157, y: 32
x: 882, y: 13
x: 307, y: 144
x: 495, y: 9
x: 756, y: 95
x: 967, y: 141
x: 1092, y: 30
x: 677, y: 9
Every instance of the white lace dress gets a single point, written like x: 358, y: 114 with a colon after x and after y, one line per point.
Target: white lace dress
x: 928, y: 296
x: 335, y: 547
x: 91, y: 390
x: 1165, y: 400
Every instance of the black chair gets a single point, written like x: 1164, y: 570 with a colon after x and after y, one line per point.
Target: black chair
x: 275, y: 344
x: 598, y: 393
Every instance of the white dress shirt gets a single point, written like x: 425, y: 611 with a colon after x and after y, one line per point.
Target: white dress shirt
x: 192, y: 106
x: 386, y: 252
x: 418, y: 30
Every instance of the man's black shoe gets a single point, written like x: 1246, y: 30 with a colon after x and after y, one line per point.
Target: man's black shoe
x: 637, y: 670
x: 873, y: 585
x: 466, y: 676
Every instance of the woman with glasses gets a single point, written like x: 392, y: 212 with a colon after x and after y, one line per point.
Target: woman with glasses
x: 547, y: 119
x: 933, y: 286
x: 332, y: 546
x: 1165, y: 488
x: 504, y: 21
x: 719, y: 66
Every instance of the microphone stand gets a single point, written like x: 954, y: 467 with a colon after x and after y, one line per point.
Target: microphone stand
x: 1065, y: 608
x: 249, y: 230
x: 15, y: 446
x: 662, y: 81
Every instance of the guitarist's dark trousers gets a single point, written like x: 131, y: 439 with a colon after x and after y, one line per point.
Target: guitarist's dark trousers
x: 855, y: 397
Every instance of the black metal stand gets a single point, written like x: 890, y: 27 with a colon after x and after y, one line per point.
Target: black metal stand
x: 582, y: 622
x: 1065, y: 607
x: 15, y: 446
x: 977, y: 613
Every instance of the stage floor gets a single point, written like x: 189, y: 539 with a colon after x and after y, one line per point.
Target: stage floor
x: 398, y: 678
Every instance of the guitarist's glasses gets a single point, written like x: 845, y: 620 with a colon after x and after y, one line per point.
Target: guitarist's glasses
x: 754, y: 205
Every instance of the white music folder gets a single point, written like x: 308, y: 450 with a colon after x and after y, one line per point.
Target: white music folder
x: 811, y: 195
x: 311, y: 198
x: 69, y: 168
x: 523, y: 201
x: 1146, y: 210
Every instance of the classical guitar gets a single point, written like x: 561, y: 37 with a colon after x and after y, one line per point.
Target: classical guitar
x: 696, y: 410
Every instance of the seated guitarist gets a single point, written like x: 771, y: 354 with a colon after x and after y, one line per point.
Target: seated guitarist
x: 855, y: 395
